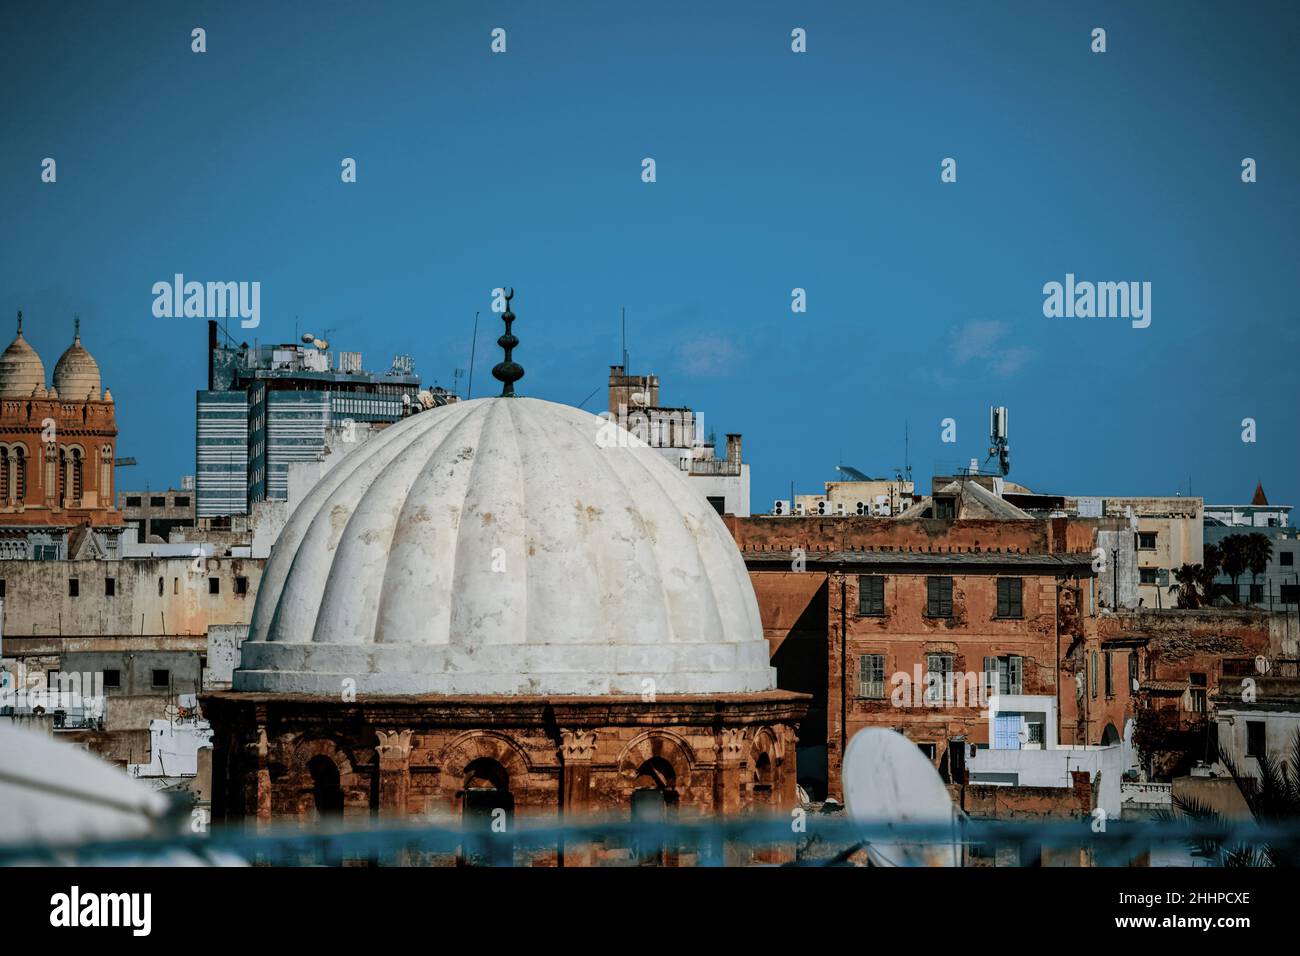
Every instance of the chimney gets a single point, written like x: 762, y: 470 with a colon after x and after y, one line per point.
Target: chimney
x: 733, y: 447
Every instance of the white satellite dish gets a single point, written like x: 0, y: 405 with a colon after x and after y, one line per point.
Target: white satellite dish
x: 887, y: 780
x: 308, y: 338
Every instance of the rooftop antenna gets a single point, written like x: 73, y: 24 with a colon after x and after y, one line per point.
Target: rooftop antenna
x: 907, y: 451
x: 998, y: 438
x: 623, y: 319
x: 469, y: 389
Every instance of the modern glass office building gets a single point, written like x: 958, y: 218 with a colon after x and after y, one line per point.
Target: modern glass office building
x: 268, y: 406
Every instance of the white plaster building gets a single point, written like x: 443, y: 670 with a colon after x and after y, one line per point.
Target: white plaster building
x: 1020, y: 756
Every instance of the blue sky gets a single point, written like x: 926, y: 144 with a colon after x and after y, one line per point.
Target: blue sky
x: 774, y: 170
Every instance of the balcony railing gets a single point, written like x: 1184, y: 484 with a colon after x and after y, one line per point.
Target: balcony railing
x: 1261, y: 667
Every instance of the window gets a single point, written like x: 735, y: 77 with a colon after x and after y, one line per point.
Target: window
x: 1257, y: 594
x: 719, y: 503
x: 945, y: 508
x: 1255, y: 738
x: 214, y: 585
x: 1149, y: 575
x: 181, y: 501
x: 160, y: 587
x: 241, y: 585
x: 1133, y: 669
x: 1004, y: 675
x: 1286, y: 558
x: 871, y: 676
x: 1196, y: 695
x: 928, y: 749
x: 938, y: 678
x: 1146, y: 540
x: 1290, y: 593
x: 133, y: 501
x: 110, y: 587
x: 871, y: 595
x: 938, y: 597
x: 161, y: 677
x: 1110, y: 675
x: 1094, y: 674
x: 157, y: 501
x: 74, y: 587
x: 112, y: 678
x: 1009, y: 597
x: 2, y: 587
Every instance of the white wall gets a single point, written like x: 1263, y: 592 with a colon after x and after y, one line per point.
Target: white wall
x: 1279, y: 733
x: 1051, y: 768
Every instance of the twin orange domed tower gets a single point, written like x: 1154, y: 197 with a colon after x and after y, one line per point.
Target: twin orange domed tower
x: 57, y: 442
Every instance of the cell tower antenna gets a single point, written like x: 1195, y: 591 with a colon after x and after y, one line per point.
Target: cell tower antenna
x: 623, y: 320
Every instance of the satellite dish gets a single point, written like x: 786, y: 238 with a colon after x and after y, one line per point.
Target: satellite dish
x: 887, y: 780
x: 638, y: 398
x: 308, y: 338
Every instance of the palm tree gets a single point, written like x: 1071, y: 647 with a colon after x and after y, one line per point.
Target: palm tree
x: 1211, y: 564
x: 1258, y: 553
x: 1233, y: 548
x: 1273, y: 797
x: 1189, y: 578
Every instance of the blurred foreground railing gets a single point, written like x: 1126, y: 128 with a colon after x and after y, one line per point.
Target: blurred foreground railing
x: 810, y: 840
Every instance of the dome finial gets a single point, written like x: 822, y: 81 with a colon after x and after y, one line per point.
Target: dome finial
x: 76, y: 327
x: 509, y: 371
x: 20, y: 321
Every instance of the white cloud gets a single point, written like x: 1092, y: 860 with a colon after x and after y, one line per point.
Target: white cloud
x: 708, y: 355
x: 983, y: 342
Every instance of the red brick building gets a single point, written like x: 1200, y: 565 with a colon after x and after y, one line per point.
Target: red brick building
x: 861, y: 611
x: 56, y: 444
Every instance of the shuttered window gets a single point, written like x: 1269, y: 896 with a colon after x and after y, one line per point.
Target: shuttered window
x: 938, y: 679
x: 871, y: 676
x: 1009, y: 597
x: 871, y: 595
x: 1004, y: 675
x: 938, y: 597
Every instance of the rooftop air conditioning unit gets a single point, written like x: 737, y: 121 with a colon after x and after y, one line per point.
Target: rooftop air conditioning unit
x: 781, y: 508
x: 823, y: 507
x: 862, y: 508
x: 799, y: 508
x: 881, y: 510
x: 839, y: 507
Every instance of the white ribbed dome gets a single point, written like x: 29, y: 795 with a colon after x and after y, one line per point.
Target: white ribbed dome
x: 501, y: 546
